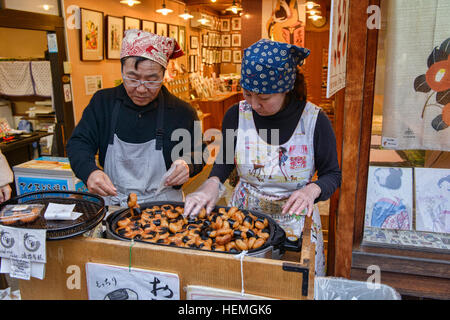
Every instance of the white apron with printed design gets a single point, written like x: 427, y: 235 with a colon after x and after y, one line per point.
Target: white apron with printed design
x: 269, y: 174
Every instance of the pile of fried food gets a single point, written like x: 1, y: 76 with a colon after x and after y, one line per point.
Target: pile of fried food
x: 231, y: 231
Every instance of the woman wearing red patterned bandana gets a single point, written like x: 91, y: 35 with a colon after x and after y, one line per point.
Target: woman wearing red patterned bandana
x: 130, y: 126
x: 289, y: 138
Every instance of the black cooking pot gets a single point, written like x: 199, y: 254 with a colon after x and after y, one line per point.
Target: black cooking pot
x: 276, y: 240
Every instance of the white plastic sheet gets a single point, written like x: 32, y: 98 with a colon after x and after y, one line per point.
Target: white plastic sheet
x: 329, y: 288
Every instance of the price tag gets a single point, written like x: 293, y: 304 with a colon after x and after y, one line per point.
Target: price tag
x: 20, y: 269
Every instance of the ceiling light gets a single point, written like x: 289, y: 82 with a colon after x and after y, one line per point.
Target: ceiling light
x: 203, y: 20
x: 234, y: 8
x: 310, y: 5
x: 46, y: 7
x: 213, y: 0
x: 315, y: 18
x: 130, y: 2
x: 186, y: 15
x: 164, y: 11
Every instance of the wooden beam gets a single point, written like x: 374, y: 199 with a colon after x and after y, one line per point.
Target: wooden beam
x: 356, y: 59
x: 29, y: 20
x: 366, y: 130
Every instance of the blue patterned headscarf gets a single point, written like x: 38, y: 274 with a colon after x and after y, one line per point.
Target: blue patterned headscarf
x: 270, y: 66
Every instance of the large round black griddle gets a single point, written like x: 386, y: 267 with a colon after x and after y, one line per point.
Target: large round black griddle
x: 276, y: 239
x: 91, y: 206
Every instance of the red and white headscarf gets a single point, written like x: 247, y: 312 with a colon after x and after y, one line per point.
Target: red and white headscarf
x: 157, y: 48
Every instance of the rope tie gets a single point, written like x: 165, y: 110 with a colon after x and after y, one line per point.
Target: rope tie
x: 241, y: 256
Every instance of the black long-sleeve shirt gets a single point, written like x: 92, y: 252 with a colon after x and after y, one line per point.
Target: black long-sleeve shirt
x: 286, y: 120
x: 135, y: 124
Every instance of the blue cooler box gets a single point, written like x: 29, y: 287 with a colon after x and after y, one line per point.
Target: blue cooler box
x: 46, y: 174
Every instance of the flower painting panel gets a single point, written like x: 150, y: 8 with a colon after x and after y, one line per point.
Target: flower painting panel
x: 236, y: 40
x: 182, y: 37
x: 161, y: 29
x: 132, y: 23
x: 237, y: 56
x: 226, y: 55
x: 173, y: 32
x: 114, y: 36
x: 148, y: 26
x: 389, y: 200
x: 226, y: 40
x: 236, y: 24
x: 91, y: 35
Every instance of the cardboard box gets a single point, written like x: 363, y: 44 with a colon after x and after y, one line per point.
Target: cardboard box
x: 46, y: 173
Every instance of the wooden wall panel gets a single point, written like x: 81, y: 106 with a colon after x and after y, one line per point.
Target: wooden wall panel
x: 251, y: 26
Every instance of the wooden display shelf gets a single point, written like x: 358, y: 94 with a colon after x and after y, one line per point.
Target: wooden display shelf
x: 264, y: 277
x: 217, y: 107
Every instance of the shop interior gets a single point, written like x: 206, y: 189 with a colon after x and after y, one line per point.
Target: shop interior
x: 40, y: 116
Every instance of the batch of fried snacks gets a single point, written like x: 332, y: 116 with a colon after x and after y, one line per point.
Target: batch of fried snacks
x: 231, y: 231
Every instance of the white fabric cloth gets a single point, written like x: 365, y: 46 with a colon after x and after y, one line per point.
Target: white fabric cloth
x: 42, y: 77
x: 15, y: 78
x: 414, y: 28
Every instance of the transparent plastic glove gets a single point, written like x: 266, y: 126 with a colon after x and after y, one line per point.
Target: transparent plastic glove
x: 177, y: 174
x: 206, y: 196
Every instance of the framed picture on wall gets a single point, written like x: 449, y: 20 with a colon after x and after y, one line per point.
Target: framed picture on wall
x: 217, y: 56
x: 161, y: 29
x: 236, y: 40
x: 389, y: 201
x: 131, y: 23
x: 148, y: 26
x: 226, y: 40
x: 432, y: 195
x: 182, y: 37
x: 91, y: 36
x: 194, y: 42
x: 225, y: 25
x: 173, y: 31
x: 114, y: 36
x: 236, y: 24
x: 237, y: 56
x: 226, y: 55
x: 205, y: 40
x: 204, y: 53
x: 193, y: 63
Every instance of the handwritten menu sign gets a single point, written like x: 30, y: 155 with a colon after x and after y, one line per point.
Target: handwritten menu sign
x: 107, y: 282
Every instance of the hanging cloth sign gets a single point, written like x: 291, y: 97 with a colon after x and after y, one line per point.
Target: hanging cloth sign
x: 337, y: 52
x: 416, y: 105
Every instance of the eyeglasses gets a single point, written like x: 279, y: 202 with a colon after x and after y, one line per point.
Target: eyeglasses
x: 134, y: 83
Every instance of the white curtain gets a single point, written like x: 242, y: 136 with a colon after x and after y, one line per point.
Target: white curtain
x: 414, y: 29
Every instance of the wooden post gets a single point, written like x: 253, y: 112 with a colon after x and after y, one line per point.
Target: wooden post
x: 356, y: 59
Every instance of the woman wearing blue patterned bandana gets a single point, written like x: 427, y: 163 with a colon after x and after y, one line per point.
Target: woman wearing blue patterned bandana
x: 281, y: 142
